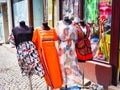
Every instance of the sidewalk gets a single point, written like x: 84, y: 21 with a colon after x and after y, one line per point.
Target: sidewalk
x: 10, y: 74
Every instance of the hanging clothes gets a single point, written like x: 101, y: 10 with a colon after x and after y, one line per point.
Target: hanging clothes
x: 83, y: 46
x: 70, y: 8
x: 91, y: 10
x: 27, y: 54
x: 68, y: 60
x: 45, y: 42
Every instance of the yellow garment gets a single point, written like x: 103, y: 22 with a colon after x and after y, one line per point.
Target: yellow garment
x: 107, y: 40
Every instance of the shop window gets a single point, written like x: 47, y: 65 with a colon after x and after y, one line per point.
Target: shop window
x: 98, y: 13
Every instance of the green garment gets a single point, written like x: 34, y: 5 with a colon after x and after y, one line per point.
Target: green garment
x: 91, y: 10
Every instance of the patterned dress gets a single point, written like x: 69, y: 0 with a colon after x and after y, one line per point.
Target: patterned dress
x: 27, y: 56
x: 83, y: 45
x: 68, y: 60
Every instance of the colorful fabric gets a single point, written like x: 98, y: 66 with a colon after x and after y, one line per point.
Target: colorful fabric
x: 83, y: 45
x: 45, y: 42
x: 91, y: 11
x: 70, y: 8
x: 66, y: 48
x: 27, y: 58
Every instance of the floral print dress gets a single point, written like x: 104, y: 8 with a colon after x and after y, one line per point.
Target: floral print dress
x: 27, y: 56
x: 66, y: 48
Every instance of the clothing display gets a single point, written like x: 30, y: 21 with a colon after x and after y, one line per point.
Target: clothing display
x: 83, y: 45
x: 27, y: 55
x: 67, y: 35
x: 45, y: 42
x: 91, y: 11
x: 70, y: 8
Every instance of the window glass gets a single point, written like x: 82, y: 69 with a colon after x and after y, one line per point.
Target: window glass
x: 98, y: 14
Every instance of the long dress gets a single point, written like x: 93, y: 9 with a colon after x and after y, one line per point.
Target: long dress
x: 66, y: 48
x: 27, y: 54
x: 45, y: 42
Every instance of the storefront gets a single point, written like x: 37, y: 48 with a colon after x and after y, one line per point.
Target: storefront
x: 105, y: 47
x: 103, y: 14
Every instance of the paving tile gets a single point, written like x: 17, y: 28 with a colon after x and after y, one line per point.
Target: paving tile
x: 10, y: 74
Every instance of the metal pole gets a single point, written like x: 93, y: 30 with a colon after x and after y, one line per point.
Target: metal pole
x: 29, y: 77
x: 83, y: 74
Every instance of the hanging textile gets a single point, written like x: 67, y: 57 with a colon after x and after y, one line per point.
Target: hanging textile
x: 70, y: 8
x: 91, y: 10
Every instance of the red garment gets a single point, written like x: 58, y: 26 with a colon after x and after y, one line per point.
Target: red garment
x: 83, y: 46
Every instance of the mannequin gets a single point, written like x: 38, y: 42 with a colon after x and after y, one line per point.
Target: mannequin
x: 67, y: 34
x: 45, y: 26
x: 27, y: 54
x: 83, y: 46
x: 22, y: 23
x: 67, y: 21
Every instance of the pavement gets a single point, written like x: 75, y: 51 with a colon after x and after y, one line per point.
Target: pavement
x: 10, y: 74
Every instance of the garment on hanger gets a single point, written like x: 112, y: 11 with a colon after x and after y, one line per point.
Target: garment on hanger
x: 27, y: 55
x: 45, y: 42
x: 83, y: 45
x: 66, y: 49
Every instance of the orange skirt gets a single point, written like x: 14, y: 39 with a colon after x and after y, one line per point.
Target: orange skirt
x: 51, y: 65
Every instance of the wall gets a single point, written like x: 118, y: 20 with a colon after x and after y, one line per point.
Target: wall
x: 10, y: 22
x: 98, y: 72
x: 5, y: 22
x: 20, y: 12
x: 37, y: 12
